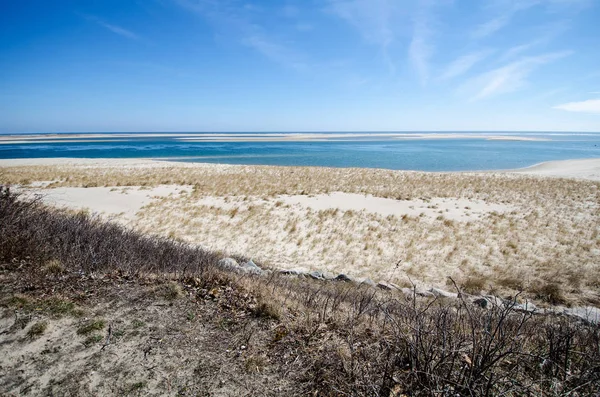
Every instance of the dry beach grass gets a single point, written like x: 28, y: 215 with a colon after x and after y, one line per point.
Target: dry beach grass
x: 517, y: 232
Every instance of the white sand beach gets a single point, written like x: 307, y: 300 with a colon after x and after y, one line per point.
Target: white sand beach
x: 582, y: 169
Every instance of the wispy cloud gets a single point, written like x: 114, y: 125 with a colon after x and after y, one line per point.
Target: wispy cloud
x: 274, y: 51
x: 492, y: 26
x: 425, y: 29
x: 504, y: 11
x: 508, y: 78
x: 373, y: 19
x: 114, y: 28
x: 421, y: 49
x: 463, y: 64
x: 386, y: 24
x: 517, y: 50
x: 544, y: 34
x: 238, y: 23
x: 589, y: 106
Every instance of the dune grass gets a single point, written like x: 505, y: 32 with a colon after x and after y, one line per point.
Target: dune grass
x: 550, y: 238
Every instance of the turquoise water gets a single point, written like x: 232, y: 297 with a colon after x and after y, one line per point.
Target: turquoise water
x: 430, y: 154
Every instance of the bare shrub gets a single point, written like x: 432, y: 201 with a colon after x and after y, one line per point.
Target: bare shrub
x: 28, y: 230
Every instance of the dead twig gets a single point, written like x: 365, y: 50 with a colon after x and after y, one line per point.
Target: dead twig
x: 108, y: 336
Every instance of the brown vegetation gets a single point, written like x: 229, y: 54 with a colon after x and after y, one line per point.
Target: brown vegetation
x: 281, y: 335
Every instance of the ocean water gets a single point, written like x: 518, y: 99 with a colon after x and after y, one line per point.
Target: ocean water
x: 419, y: 151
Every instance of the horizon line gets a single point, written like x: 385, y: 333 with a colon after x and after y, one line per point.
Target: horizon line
x: 299, y: 132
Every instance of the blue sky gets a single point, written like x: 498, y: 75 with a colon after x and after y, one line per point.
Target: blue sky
x: 311, y: 65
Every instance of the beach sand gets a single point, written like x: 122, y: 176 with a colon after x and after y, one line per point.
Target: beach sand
x: 581, y: 169
x: 498, y: 232
x: 121, y: 204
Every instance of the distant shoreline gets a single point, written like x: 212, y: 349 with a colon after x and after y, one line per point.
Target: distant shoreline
x: 266, y: 137
x: 575, y: 168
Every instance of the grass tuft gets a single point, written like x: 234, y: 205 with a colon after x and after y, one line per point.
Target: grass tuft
x: 91, y: 326
x: 267, y: 310
x: 92, y: 340
x: 474, y: 284
x: 172, y: 291
x: 54, y: 267
x: 60, y: 307
x: 551, y: 293
x: 37, y: 329
x: 137, y: 324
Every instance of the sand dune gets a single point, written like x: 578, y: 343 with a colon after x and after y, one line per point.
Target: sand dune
x: 493, y: 231
x: 582, y: 169
x: 122, y: 202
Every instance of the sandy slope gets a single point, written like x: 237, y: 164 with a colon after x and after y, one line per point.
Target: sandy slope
x: 582, y: 169
x: 121, y: 202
